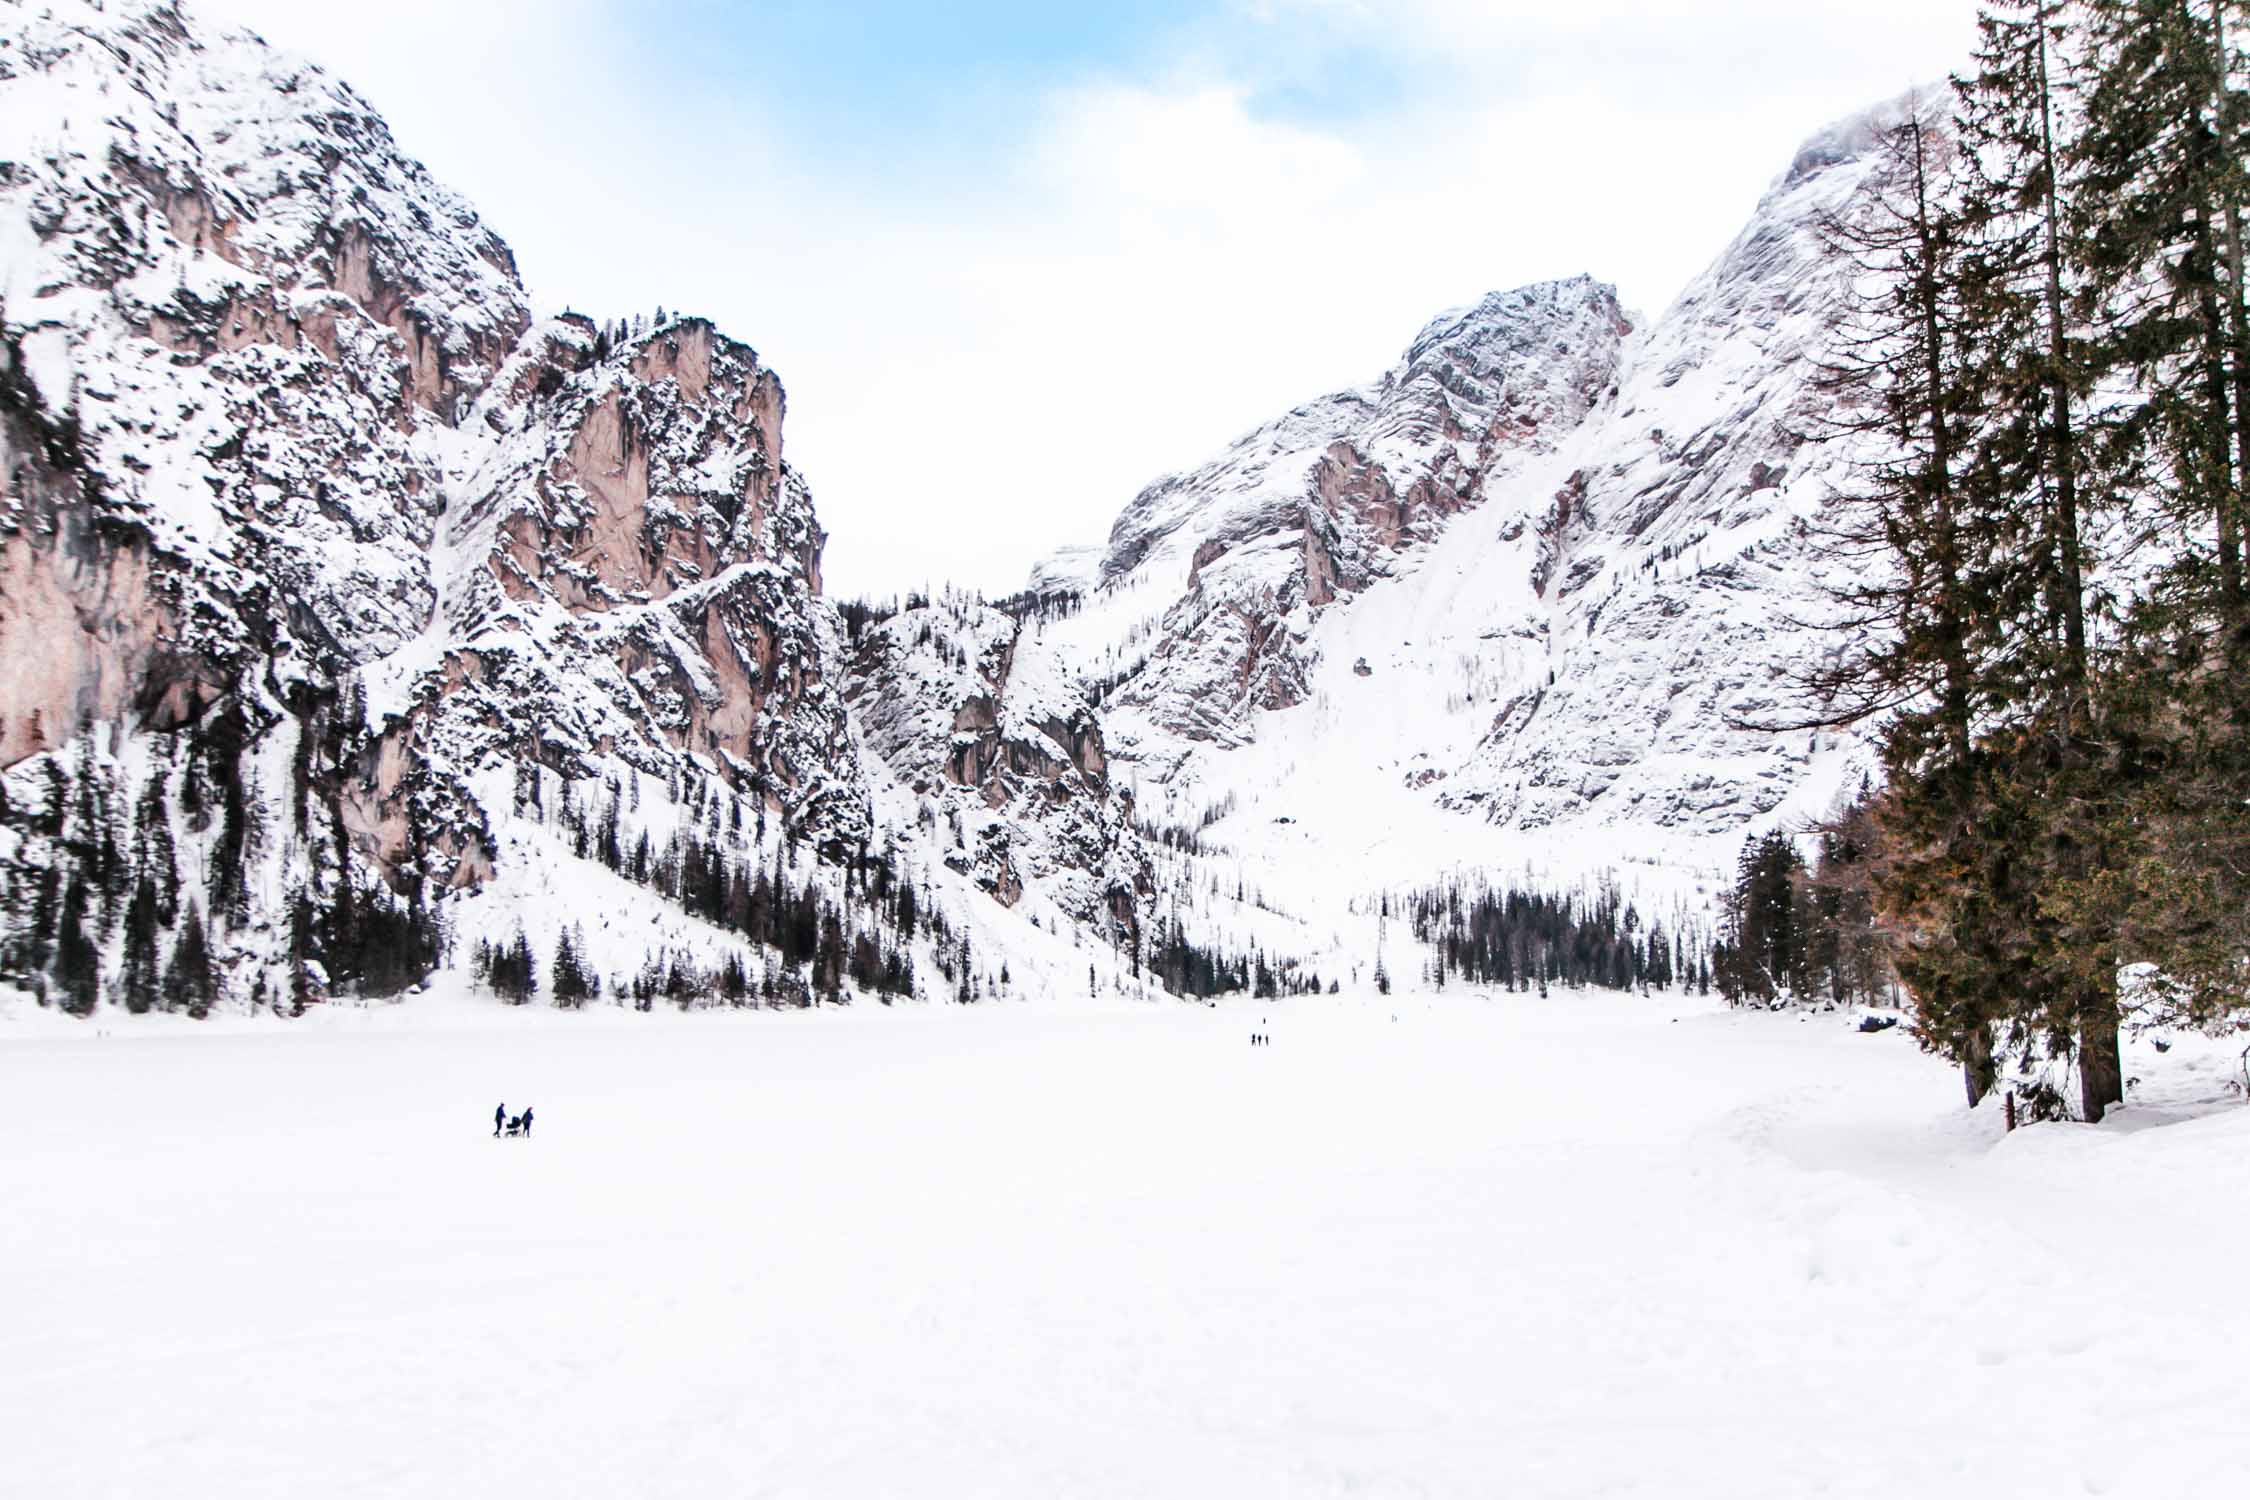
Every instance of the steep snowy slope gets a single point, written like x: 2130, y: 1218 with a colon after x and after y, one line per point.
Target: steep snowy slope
x: 1679, y: 559
x: 1539, y: 658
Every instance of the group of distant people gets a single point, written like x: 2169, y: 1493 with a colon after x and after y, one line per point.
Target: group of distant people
x: 504, y: 1123
x: 1259, y: 1038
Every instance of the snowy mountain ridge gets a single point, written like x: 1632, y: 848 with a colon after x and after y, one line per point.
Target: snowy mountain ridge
x: 1318, y: 504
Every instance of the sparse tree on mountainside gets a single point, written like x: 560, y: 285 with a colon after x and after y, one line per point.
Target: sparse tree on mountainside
x: 189, y: 983
x: 570, y: 983
x: 77, y: 961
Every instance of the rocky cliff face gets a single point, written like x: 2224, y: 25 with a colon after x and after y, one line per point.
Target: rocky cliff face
x: 250, y: 313
x: 1000, y: 744
x: 285, y: 458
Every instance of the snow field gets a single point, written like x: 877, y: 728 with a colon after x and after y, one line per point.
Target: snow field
x: 1595, y: 1245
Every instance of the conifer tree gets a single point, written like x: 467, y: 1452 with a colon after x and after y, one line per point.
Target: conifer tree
x: 138, y: 980
x: 570, y: 983
x: 2160, y: 183
x: 2162, y: 159
x: 155, y: 851
x: 2058, y: 779
x: 2001, y: 816
x: 1930, y: 613
x: 189, y: 983
x: 77, y: 961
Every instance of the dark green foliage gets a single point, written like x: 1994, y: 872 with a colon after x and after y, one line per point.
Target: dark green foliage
x: 378, y: 945
x: 571, y: 983
x: 138, y: 983
x: 1804, y: 933
x: 77, y: 961
x: 229, y: 869
x: 1761, y: 954
x: 46, y: 907
x: 154, y: 850
x: 189, y: 983
x: 1520, y: 940
x: 1196, y: 971
x: 507, y: 969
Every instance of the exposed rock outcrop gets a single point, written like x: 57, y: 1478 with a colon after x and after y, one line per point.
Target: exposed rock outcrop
x: 972, y: 710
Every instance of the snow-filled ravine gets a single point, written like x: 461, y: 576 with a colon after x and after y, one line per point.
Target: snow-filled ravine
x: 1458, y: 1246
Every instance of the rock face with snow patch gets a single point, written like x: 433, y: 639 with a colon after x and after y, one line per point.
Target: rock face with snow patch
x: 971, y: 709
x: 250, y: 314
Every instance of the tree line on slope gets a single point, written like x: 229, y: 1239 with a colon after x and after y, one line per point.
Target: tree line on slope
x: 152, y: 881
x: 2050, y: 611
x: 718, y: 864
x: 147, y: 904
x: 1527, y: 940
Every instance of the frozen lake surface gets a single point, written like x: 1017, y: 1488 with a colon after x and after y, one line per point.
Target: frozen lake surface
x: 1587, y: 1246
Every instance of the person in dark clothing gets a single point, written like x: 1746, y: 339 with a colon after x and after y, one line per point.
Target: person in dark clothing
x: 527, y: 1119
x: 499, y: 1118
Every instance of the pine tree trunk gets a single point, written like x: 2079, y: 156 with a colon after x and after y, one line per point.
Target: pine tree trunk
x: 1980, y: 1071
x: 2101, y: 1067
x: 2218, y: 455
x: 2065, y: 457
x: 2237, y: 307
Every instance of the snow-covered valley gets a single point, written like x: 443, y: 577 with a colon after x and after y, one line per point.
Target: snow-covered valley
x: 411, y: 702
x: 1591, y: 1245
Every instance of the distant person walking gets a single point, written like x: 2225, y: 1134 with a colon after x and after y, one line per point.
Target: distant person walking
x: 527, y: 1119
x: 499, y: 1119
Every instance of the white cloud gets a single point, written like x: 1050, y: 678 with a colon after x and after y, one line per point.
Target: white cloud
x: 987, y: 356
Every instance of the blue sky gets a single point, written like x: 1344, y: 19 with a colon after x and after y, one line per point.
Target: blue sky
x: 1015, y: 260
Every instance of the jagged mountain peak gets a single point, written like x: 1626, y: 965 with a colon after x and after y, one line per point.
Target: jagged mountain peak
x: 1853, y: 136
x: 1331, y: 497
x: 1520, y: 311
x: 272, y: 183
x: 456, y: 611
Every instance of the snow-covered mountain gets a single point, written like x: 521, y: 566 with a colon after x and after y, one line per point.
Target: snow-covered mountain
x: 301, y: 505
x: 317, y: 443
x: 1508, y: 602
x: 1321, y: 503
